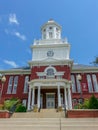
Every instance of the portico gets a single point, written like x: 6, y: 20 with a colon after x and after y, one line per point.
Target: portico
x: 52, y: 98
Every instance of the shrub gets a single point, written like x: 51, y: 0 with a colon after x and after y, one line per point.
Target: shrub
x: 85, y: 105
x: 20, y: 108
x: 8, y: 104
x: 93, y: 103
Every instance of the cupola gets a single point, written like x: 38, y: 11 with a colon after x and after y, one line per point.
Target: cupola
x: 51, y: 30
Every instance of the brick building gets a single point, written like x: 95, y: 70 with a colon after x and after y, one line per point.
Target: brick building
x: 51, y: 80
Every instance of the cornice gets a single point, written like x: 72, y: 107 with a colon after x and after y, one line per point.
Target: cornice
x: 54, y: 62
x: 47, y: 81
x: 15, y: 71
x: 85, y: 70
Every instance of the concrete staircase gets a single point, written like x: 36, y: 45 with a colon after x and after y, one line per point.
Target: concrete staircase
x: 44, y: 113
x: 48, y: 124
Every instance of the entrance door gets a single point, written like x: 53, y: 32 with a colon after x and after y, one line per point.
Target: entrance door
x: 50, y: 100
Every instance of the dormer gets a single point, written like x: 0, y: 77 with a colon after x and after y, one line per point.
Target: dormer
x: 51, y: 30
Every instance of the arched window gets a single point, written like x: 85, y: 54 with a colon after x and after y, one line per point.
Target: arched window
x: 15, y: 85
x: 78, y: 86
x: 50, y: 72
x: 26, y: 84
x: 90, y: 87
x: 10, y: 85
x: 95, y: 83
x: 73, y: 84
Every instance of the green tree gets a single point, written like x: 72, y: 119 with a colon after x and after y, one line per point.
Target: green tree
x: 95, y: 62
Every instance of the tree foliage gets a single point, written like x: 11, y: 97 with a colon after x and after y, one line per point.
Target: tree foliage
x: 14, y: 105
x: 93, y: 102
x: 20, y: 108
x: 8, y: 104
x: 95, y: 62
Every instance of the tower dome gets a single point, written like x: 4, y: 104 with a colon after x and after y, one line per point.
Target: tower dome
x: 51, y: 30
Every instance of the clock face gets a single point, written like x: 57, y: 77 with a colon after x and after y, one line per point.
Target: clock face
x: 50, y: 53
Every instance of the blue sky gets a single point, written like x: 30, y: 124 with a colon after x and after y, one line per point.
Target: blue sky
x: 20, y: 22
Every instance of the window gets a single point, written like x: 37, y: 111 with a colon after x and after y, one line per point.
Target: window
x: 10, y: 85
x: 90, y: 88
x: 41, y: 77
x: 15, y: 85
x: 50, y: 72
x: 80, y: 100
x: 26, y: 84
x: 78, y: 86
x: 24, y: 102
x: 44, y: 36
x: 95, y: 83
x: 73, y: 84
x: 57, y: 35
x: 59, y: 76
x: 57, y: 29
x: 50, y: 35
x: 50, y: 28
x: 44, y: 30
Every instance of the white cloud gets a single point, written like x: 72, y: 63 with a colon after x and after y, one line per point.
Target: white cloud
x: 17, y: 34
x: 13, y: 19
x: 21, y: 36
x: 11, y: 63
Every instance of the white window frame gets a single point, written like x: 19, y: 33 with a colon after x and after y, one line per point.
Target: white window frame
x: 26, y: 84
x: 89, y: 81
x: 15, y: 85
x: 95, y: 82
x: 73, y: 84
x: 78, y: 86
x: 10, y: 85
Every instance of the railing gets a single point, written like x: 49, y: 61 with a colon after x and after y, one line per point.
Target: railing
x: 55, y: 41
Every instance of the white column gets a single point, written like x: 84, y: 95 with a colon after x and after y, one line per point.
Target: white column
x: 29, y: 98
x: 66, y: 99
x: 59, y: 96
x: 38, y: 97
x: 33, y: 96
x: 69, y: 97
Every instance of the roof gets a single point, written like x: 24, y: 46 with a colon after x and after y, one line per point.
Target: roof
x: 51, y: 21
x: 76, y: 68
x: 84, y: 68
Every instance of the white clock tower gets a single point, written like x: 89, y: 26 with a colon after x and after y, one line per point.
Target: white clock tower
x: 51, y: 47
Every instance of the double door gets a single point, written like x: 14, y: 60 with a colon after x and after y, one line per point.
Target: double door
x: 50, y: 101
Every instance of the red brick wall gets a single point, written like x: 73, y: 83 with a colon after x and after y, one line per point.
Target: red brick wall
x: 82, y: 113
x: 19, y: 94
x: 64, y: 68
x: 4, y: 114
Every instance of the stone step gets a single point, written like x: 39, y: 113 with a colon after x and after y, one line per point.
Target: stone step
x: 44, y: 113
x: 49, y: 124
